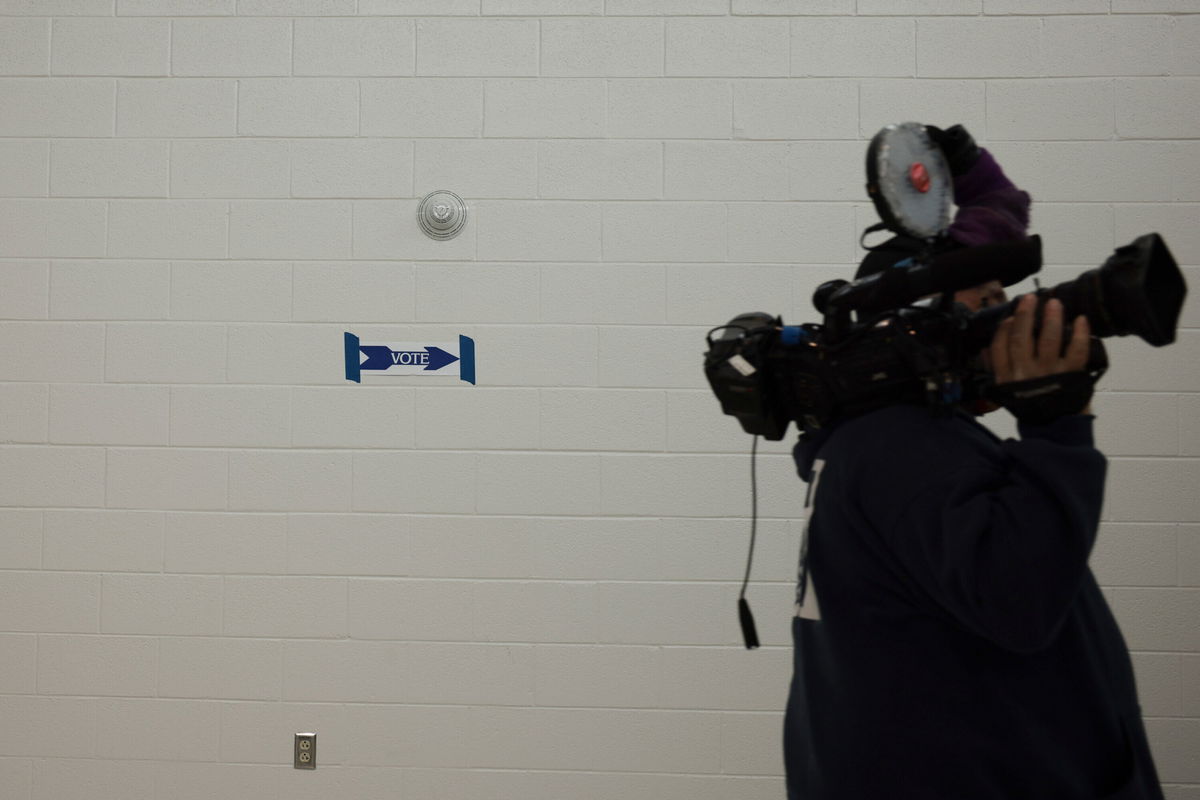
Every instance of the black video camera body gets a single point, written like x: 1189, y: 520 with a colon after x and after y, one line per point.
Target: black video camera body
x: 768, y: 374
x: 882, y: 344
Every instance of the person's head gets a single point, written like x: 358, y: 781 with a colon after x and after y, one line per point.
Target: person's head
x: 982, y: 296
x: 974, y: 298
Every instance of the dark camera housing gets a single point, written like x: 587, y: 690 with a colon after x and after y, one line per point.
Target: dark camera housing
x: 768, y: 374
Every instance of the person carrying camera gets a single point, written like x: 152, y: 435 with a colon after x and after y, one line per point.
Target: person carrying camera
x: 950, y: 640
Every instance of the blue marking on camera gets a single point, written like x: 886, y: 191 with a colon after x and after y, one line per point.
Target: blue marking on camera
x: 792, y: 335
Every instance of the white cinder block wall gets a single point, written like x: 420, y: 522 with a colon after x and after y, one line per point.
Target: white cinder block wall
x: 210, y: 540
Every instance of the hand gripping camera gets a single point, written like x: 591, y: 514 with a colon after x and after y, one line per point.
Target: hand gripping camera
x: 897, y: 336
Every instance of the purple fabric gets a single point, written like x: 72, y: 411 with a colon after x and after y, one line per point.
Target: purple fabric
x: 991, y: 208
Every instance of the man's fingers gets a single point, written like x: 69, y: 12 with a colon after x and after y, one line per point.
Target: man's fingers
x: 1049, y: 345
x: 1079, y: 348
x: 1012, y: 353
x: 1001, y: 360
x: 1020, y: 340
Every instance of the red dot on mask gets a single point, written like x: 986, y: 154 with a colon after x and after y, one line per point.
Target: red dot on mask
x: 919, y: 176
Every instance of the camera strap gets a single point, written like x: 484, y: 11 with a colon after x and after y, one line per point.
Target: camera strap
x: 862, y: 239
x: 745, y: 617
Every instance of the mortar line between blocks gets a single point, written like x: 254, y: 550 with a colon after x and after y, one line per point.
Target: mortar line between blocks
x: 158, y: 666
x: 37, y: 655
x: 42, y: 541
x: 416, y: 47
x: 1178, y: 555
x: 170, y: 419
x: 664, y: 58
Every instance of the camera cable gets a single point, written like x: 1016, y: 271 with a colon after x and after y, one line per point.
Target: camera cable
x: 745, y: 617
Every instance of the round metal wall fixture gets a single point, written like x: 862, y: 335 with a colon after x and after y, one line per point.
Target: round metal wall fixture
x: 442, y: 214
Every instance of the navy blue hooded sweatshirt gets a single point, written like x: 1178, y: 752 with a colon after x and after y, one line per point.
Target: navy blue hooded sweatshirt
x: 963, y: 650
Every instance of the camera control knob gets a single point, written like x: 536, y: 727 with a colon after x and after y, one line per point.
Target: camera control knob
x: 825, y: 291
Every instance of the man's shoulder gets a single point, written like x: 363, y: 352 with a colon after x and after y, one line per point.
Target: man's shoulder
x: 910, y: 437
x: 884, y: 459
x: 908, y: 421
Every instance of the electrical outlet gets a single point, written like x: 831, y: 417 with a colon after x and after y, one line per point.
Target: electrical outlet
x: 306, y: 751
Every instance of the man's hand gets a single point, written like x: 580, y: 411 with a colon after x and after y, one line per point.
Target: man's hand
x: 1016, y: 356
x: 958, y: 145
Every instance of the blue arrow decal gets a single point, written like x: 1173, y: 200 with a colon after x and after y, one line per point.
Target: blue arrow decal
x: 378, y: 356
x: 439, y: 358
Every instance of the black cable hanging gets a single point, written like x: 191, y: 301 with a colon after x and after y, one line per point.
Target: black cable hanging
x: 749, y: 631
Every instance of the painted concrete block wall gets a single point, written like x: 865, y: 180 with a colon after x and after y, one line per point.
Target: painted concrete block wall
x: 210, y: 540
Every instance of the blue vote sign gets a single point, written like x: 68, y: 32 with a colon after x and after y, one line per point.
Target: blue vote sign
x: 433, y: 358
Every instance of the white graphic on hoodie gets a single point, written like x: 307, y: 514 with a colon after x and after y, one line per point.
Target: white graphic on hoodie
x: 806, y: 591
